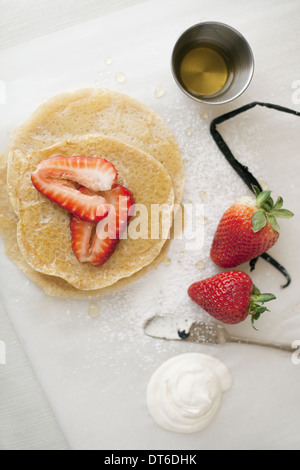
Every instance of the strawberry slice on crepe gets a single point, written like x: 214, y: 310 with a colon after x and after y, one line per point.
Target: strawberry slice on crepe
x: 95, y: 243
x: 56, y: 178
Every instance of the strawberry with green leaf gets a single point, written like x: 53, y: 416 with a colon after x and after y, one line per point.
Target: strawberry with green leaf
x: 230, y: 297
x: 248, y: 229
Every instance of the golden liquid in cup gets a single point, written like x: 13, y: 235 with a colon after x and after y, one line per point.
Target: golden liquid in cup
x: 205, y: 70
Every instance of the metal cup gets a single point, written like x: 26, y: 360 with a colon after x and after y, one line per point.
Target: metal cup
x: 235, y: 49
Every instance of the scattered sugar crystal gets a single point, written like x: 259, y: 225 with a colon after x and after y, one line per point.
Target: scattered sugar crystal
x: 203, y: 195
x: 167, y: 262
x: 108, y: 61
x: 121, y: 77
x: 159, y: 92
x: 202, y: 220
x: 265, y: 186
x: 200, y: 265
x: 204, y: 115
x: 94, y: 310
x: 189, y: 132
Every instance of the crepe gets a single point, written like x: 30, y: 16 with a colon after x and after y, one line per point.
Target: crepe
x: 51, y: 285
x: 61, y: 120
x: 95, y: 111
x: 44, y: 235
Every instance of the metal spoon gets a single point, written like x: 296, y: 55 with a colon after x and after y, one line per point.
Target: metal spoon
x: 170, y: 328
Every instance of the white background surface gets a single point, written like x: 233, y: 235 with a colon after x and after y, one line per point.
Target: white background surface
x: 95, y: 372
x: 22, y: 20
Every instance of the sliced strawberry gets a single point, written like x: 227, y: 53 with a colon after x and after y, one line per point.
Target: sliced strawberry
x: 95, y: 243
x: 87, y: 246
x: 95, y: 173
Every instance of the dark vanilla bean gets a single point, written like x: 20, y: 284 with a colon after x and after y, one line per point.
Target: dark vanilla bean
x: 243, y: 171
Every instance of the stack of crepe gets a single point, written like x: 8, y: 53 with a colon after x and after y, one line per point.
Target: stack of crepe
x: 88, y: 122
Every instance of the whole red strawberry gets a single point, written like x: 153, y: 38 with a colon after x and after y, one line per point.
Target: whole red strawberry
x: 248, y: 229
x: 230, y: 297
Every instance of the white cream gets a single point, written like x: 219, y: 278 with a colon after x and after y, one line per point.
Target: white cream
x: 185, y: 393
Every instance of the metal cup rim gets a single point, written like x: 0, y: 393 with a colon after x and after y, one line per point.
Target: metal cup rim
x: 201, y: 100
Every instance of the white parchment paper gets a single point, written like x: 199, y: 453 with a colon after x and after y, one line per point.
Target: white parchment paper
x: 95, y: 371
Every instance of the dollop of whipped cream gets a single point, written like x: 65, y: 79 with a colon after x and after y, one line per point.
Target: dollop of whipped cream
x: 185, y: 393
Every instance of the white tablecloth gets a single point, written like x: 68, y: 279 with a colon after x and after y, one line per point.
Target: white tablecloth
x: 94, y: 372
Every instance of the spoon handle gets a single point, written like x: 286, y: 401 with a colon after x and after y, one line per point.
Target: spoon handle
x: 282, y: 347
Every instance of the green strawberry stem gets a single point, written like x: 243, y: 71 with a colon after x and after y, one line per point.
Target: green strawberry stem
x: 256, y: 306
x: 268, y: 211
